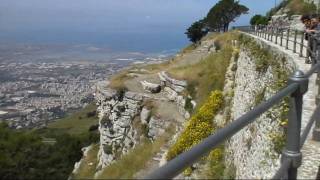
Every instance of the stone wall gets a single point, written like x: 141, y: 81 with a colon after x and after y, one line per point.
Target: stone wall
x: 252, y: 151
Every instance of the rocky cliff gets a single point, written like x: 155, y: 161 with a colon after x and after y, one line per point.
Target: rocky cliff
x: 126, y: 117
x: 151, y: 101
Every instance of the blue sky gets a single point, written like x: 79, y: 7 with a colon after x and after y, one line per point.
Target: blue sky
x: 75, y: 20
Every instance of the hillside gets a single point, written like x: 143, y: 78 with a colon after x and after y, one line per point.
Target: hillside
x: 188, y: 98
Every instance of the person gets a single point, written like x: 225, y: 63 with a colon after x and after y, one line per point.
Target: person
x: 311, y: 27
x: 305, y: 19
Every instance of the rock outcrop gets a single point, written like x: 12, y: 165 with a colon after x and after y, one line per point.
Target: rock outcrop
x: 151, y: 87
x: 176, y: 85
x: 119, y: 109
x: 116, y: 111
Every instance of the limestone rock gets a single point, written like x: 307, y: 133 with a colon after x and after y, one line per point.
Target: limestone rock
x: 170, y: 93
x: 176, y: 85
x: 145, y: 115
x: 156, y: 127
x: 151, y: 87
x: 115, y: 119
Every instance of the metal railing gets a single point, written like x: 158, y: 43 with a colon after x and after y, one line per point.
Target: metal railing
x: 298, y: 41
x: 291, y: 157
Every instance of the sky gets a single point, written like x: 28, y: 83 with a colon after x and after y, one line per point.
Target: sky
x: 151, y: 24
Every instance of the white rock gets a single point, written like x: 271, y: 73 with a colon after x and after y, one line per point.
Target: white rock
x: 144, y: 115
x: 151, y: 87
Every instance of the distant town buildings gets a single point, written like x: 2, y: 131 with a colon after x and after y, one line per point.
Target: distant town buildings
x: 32, y: 94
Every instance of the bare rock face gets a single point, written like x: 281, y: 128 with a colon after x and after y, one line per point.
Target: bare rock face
x: 117, y: 110
x: 156, y: 127
x: 151, y: 87
x: 116, y: 113
x: 174, y: 84
x: 284, y: 20
x: 145, y: 115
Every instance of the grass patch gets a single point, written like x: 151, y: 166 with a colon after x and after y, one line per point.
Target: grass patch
x: 131, y: 163
x: 78, y: 122
x: 216, y: 163
x: 87, y: 168
x: 301, y: 7
x: 208, y: 74
x: 198, y: 127
x: 189, y: 48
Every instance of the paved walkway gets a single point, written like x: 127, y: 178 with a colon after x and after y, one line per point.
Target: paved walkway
x: 311, y: 149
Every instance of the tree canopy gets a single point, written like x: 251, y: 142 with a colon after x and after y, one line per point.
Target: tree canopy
x: 218, y: 19
x: 259, y: 20
x: 196, y: 31
x: 24, y: 154
x: 223, y: 13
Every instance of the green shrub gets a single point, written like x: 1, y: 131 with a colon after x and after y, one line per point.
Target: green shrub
x: 199, y: 126
x: 188, y: 105
x: 107, y: 149
x: 120, y: 92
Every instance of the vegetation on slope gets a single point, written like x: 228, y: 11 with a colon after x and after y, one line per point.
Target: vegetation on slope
x: 301, y: 7
x: 209, y: 73
x: 78, y: 122
x: 88, y: 165
x: 199, y: 126
x: 47, y: 153
x: 24, y: 155
x: 265, y: 60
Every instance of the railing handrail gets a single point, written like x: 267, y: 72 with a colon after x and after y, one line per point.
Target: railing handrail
x: 291, y: 156
x: 271, y: 30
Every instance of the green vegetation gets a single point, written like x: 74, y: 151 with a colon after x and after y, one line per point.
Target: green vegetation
x: 47, y: 153
x: 295, y: 7
x: 218, y: 19
x: 301, y: 7
x: 216, y: 163
x: 259, y: 20
x: 196, y: 31
x: 78, y: 122
x: 264, y: 60
x: 189, y: 48
x: 88, y: 165
x: 199, y: 127
x: 24, y: 155
x: 208, y: 74
x: 274, y: 10
x: 223, y: 13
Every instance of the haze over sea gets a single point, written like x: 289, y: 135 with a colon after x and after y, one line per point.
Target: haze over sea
x: 146, y: 26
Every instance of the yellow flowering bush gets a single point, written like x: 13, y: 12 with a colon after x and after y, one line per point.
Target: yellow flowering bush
x: 199, y: 126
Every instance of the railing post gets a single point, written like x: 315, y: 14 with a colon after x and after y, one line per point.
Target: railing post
x: 295, y: 41
x: 281, y: 40
x: 301, y: 45
x: 309, y: 53
x: 287, y: 44
x: 265, y: 33
x: 276, y: 35
x: 316, y: 131
x: 272, y: 32
x: 292, y: 149
x: 314, y: 56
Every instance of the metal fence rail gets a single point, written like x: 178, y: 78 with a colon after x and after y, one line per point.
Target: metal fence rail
x: 291, y: 156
